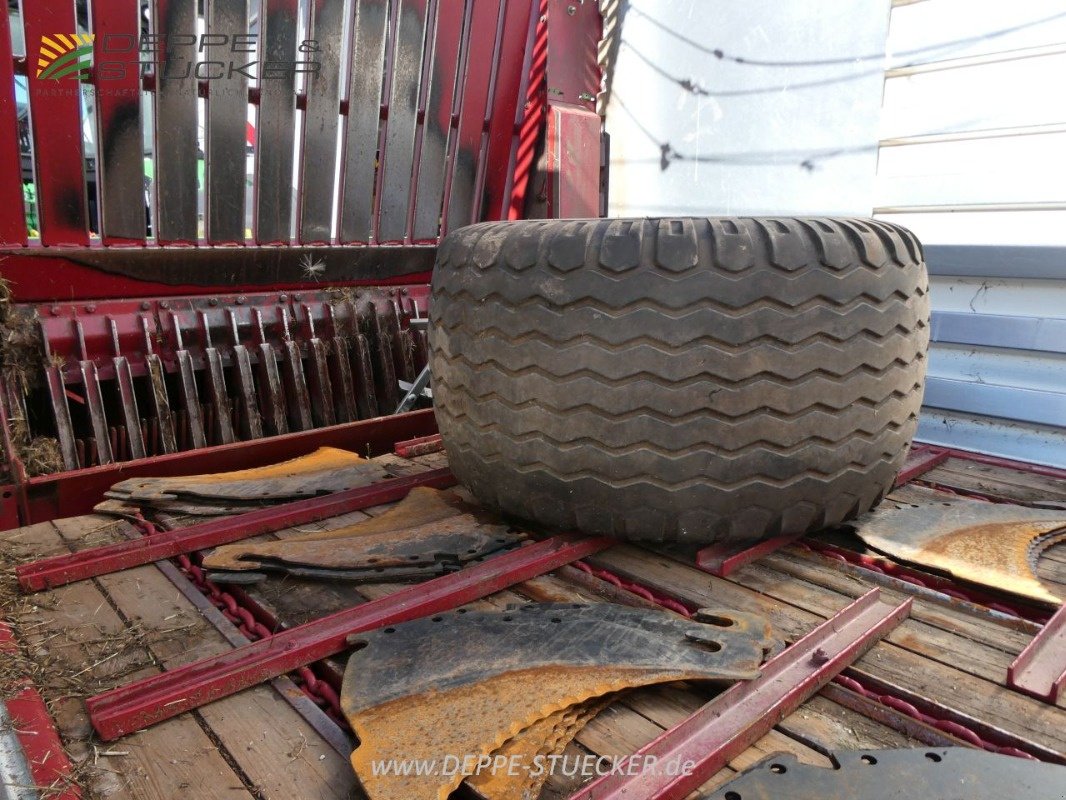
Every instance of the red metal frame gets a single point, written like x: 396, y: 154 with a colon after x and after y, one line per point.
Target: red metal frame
x: 68, y: 494
x: 37, y: 736
x: 48, y: 573
x: 708, y: 739
x: 159, y: 697
x: 1008, y: 463
x: 1040, y: 669
x: 419, y: 446
x: 724, y: 559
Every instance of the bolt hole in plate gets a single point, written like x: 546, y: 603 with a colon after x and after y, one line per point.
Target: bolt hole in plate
x: 953, y: 773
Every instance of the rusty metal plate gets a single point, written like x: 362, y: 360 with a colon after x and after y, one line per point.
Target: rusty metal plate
x: 430, y: 532
x: 994, y: 544
x: 466, y: 683
x: 545, y: 737
x: 324, y: 471
x: 953, y: 773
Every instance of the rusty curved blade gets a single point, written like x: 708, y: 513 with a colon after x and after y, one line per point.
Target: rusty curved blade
x: 327, y: 469
x: 428, y: 532
x: 545, y: 737
x: 466, y: 683
x: 994, y: 544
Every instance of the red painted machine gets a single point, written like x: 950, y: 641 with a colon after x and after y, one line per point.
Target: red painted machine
x: 168, y: 293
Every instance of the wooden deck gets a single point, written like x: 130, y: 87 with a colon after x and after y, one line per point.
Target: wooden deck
x: 93, y: 635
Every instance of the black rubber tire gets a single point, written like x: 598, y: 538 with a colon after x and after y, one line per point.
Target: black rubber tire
x: 679, y: 380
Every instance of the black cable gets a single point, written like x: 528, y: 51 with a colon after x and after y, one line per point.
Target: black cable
x: 825, y: 62
x: 693, y: 87
x: 805, y: 159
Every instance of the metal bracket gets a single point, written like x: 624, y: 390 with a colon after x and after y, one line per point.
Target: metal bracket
x: 1040, y: 669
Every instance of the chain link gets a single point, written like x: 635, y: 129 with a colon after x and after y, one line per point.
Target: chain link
x: 318, y: 690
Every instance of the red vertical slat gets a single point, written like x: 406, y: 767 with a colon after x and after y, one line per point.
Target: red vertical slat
x: 503, y: 117
x: 55, y: 108
x: 120, y: 139
x: 12, y: 213
x: 479, y: 44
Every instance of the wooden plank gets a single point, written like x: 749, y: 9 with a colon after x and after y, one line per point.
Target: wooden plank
x: 84, y: 646
x: 948, y: 685
x: 1010, y: 484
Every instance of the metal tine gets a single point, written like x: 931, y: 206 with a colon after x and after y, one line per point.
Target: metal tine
x: 341, y: 374
x: 131, y: 415
x: 366, y: 400
x: 251, y: 421
x: 94, y: 398
x: 405, y: 369
x: 57, y: 394
x: 388, y: 390
x: 160, y: 399
x: 272, y: 392
x: 190, y: 395
x: 321, y: 386
x: 299, y: 400
x: 216, y: 384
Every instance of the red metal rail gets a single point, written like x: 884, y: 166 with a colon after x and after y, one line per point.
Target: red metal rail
x: 46, y: 759
x: 1040, y: 669
x: 708, y: 739
x: 159, y: 697
x: 724, y: 559
x: 49, y: 573
x: 68, y: 494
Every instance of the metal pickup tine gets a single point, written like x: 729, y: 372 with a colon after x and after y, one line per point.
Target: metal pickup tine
x: 124, y: 379
x: 273, y: 396
x: 299, y: 401
x: 158, y: 394
x: 251, y: 422
x: 216, y: 381
x: 190, y: 395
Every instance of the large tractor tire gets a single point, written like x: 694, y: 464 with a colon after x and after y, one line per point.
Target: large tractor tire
x: 679, y: 380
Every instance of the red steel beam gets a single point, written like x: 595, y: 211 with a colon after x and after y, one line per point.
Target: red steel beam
x: 1040, y: 669
x: 46, y: 759
x: 69, y: 494
x: 921, y: 459
x: 419, y: 446
x: 724, y: 559
x: 725, y: 727
x: 145, y: 702
x: 49, y: 573
x: 1006, y: 463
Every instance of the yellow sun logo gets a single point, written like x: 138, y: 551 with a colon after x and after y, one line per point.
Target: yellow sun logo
x: 65, y: 55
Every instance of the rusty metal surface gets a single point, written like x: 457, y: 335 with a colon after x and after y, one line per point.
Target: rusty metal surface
x: 326, y: 470
x: 430, y: 532
x: 953, y: 773
x: 993, y: 544
x: 545, y: 737
x: 468, y: 682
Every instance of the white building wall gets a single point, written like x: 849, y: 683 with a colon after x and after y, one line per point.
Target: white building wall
x: 947, y: 116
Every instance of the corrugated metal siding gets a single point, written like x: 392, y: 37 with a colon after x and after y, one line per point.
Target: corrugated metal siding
x: 973, y: 159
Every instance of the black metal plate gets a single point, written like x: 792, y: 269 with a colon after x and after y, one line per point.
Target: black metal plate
x: 954, y: 773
